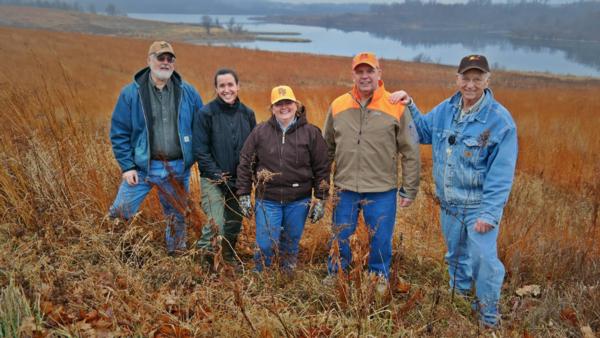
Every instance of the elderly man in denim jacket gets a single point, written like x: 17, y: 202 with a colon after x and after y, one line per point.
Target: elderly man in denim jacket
x: 474, y: 141
x: 151, y: 136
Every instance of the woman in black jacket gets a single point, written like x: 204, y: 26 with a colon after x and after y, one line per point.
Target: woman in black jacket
x: 286, y: 158
x: 219, y: 132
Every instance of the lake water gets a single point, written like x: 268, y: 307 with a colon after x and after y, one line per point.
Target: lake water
x: 575, y: 58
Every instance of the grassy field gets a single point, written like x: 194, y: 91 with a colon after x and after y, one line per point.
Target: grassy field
x: 72, y: 21
x: 66, y: 270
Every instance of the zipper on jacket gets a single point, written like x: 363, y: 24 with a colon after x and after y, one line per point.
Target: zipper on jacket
x: 362, y: 117
x: 281, y: 164
x: 178, y: 130
x: 445, y: 182
x: 449, y: 149
x: 147, y: 130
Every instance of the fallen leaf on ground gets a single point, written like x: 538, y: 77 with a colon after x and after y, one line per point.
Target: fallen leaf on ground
x: 172, y: 331
x: 29, y: 328
x: 568, y: 314
x: 403, y: 287
x: 526, y: 334
x: 529, y: 290
x: 587, y: 332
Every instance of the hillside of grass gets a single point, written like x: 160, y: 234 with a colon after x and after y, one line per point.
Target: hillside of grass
x: 72, y: 21
x: 66, y: 270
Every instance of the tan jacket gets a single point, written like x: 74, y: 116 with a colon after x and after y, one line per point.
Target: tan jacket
x: 365, y: 142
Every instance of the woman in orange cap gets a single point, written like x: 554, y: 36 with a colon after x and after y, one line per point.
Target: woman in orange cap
x: 286, y: 158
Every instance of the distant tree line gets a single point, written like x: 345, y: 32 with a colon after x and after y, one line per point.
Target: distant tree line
x: 230, y: 7
x: 56, y: 4
x: 110, y: 9
x: 459, y: 21
x: 208, y: 23
x: 528, y: 19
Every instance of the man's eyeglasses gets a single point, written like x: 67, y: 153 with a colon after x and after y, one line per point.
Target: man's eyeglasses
x: 478, y: 81
x: 165, y: 57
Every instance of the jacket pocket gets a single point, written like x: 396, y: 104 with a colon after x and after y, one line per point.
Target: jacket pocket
x: 472, y: 153
x: 141, y: 151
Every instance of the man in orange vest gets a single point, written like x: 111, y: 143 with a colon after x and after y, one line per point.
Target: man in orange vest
x: 367, y: 137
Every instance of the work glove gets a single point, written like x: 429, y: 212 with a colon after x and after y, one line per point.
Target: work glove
x: 404, y: 200
x: 316, y: 211
x: 246, y: 205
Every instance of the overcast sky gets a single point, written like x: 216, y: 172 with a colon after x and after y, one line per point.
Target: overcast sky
x: 334, y: 1
x: 388, y: 1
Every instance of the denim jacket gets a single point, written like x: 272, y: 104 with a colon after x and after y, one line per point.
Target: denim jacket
x: 129, y: 133
x: 473, y: 159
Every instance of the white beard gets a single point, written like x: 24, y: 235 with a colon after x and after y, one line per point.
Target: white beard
x: 162, y: 75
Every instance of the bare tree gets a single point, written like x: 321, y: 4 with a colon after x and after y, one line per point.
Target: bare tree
x: 231, y: 24
x: 206, y: 23
x: 111, y: 10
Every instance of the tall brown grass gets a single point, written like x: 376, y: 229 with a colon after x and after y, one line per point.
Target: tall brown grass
x: 71, y: 271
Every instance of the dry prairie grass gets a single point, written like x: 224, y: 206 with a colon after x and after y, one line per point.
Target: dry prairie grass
x: 72, y: 21
x: 66, y: 270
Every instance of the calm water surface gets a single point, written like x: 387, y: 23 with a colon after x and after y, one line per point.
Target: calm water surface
x: 582, y: 59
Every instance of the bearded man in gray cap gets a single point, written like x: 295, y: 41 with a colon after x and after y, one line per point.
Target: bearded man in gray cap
x: 474, y: 149
x: 151, y: 136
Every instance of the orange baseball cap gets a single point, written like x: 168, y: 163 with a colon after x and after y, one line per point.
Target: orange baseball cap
x: 366, y: 58
x: 282, y: 93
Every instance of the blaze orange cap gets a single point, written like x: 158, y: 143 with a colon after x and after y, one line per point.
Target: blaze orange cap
x: 282, y: 93
x: 365, y: 57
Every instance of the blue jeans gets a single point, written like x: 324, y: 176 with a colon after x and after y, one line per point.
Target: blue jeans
x: 279, y: 226
x: 473, y: 256
x: 173, y: 198
x: 379, y: 212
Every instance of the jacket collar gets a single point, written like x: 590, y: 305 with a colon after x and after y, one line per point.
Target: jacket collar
x: 483, y: 112
x: 300, y: 120
x: 377, y: 94
x: 226, y: 107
